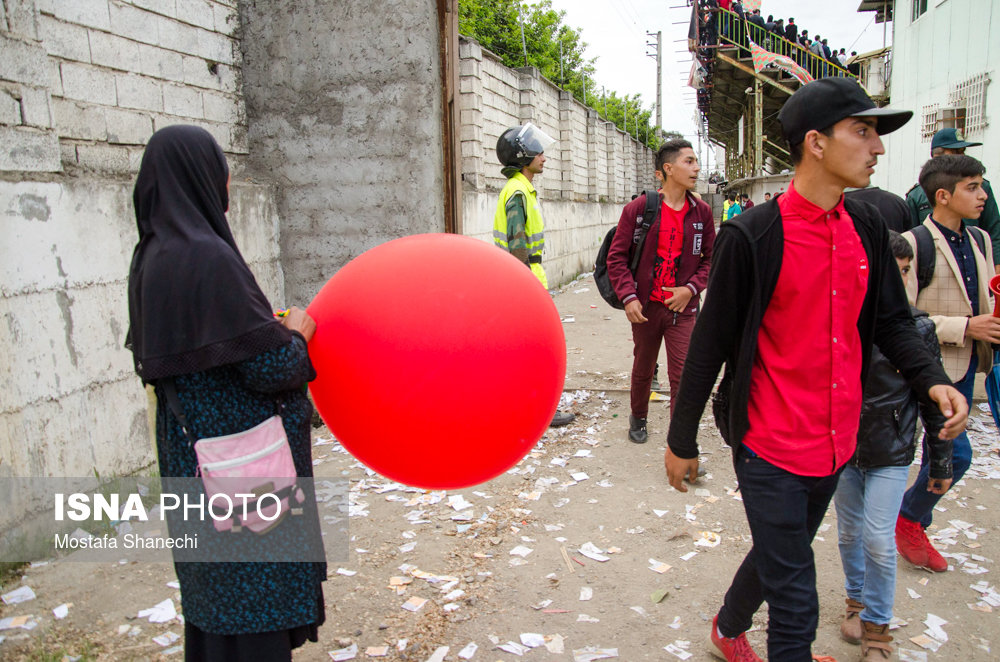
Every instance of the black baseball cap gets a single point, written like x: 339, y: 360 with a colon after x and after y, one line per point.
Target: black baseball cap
x: 824, y: 102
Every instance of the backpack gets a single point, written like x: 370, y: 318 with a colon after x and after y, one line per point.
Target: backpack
x: 601, y: 276
x: 926, y: 260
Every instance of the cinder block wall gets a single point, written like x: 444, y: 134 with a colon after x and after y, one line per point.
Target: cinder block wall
x: 345, y: 107
x: 590, y: 173
x: 83, y: 84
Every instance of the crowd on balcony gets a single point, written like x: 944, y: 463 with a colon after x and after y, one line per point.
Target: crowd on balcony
x: 727, y: 21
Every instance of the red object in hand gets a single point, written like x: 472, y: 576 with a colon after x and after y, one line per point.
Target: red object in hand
x: 995, y: 289
x: 440, y: 359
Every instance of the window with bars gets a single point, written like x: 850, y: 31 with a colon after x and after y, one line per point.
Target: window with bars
x: 929, y: 124
x: 970, y: 95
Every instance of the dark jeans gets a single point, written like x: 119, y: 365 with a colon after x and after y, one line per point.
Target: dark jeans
x: 784, y: 511
x: 918, y: 503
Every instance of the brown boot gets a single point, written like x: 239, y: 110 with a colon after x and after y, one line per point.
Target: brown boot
x: 876, y: 643
x: 850, y: 628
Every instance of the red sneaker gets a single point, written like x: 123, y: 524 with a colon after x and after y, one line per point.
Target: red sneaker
x: 935, y: 561
x: 736, y: 649
x: 911, y: 541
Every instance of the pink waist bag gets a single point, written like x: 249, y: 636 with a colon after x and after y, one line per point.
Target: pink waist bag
x: 255, y: 462
x: 249, y: 476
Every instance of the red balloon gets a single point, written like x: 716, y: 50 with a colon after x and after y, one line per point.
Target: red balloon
x: 440, y: 359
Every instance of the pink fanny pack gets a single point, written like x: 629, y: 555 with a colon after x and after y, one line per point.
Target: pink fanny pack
x: 249, y: 476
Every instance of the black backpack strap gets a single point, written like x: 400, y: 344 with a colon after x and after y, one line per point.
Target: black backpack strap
x: 978, y: 234
x: 649, y: 215
x: 926, y: 259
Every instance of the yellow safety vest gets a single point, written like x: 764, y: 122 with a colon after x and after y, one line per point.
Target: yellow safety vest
x: 534, y: 226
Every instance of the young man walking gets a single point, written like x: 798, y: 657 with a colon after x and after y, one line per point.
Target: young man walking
x: 959, y: 302
x: 951, y: 141
x: 801, y: 288
x: 517, y: 223
x: 871, y: 488
x: 661, y: 297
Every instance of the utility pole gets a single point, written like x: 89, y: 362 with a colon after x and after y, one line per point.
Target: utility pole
x: 524, y: 44
x: 658, y: 56
x: 562, y: 79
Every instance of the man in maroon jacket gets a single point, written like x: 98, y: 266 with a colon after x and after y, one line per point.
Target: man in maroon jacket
x: 661, y: 297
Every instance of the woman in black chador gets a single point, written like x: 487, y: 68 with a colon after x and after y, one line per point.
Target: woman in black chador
x: 198, y: 319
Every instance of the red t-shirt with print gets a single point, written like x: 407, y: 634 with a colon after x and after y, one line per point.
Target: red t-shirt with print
x: 668, y: 251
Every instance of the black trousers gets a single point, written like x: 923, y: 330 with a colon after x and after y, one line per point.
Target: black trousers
x: 784, y: 511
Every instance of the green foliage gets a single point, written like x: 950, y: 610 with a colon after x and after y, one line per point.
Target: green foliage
x: 496, y: 24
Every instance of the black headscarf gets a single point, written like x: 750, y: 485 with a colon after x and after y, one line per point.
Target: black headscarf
x: 193, y: 302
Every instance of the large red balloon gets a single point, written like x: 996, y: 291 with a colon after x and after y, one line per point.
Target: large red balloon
x: 440, y: 359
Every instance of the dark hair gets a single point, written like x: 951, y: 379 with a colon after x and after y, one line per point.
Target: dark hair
x: 668, y: 152
x: 943, y: 172
x: 901, y: 249
x: 731, y: 197
x: 795, y: 151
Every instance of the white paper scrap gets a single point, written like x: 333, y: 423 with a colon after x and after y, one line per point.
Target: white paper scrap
x: 532, y: 639
x: 674, y: 649
x: 514, y: 648
x: 592, y: 551
x: 439, y: 654
x: 469, y: 650
x: 521, y: 551
x: 19, y: 595
x: 61, y: 611
x: 161, y: 612
x: 167, y: 638
x: 591, y: 654
x: 586, y: 593
x: 344, y: 654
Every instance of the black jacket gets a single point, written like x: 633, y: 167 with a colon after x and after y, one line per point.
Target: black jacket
x: 888, y: 429
x: 726, y: 330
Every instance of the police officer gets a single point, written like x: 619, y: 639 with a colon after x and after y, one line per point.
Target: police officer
x: 517, y: 224
x: 951, y: 141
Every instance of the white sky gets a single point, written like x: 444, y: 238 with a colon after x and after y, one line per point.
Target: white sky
x: 615, y: 33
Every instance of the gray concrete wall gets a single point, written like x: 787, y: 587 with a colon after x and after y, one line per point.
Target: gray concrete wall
x: 344, y: 104
x: 83, y: 84
x: 590, y: 172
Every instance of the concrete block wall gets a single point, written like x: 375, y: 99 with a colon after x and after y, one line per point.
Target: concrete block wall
x: 345, y: 114
x: 72, y: 402
x: 591, y: 171
x: 95, y: 78
x: 83, y: 85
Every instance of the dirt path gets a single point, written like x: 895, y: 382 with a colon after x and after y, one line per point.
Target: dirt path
x: 481, y: 592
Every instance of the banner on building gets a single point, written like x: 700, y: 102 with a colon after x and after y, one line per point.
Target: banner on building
x: 763, y: 58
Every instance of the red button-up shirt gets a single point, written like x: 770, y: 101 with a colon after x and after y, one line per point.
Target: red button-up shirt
x: 805, y: 385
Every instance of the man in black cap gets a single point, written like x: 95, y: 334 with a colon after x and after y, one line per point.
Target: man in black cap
x: 951, y: 141
x: 802, y: 287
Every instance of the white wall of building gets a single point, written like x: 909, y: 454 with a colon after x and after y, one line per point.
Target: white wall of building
x: 951, y: 42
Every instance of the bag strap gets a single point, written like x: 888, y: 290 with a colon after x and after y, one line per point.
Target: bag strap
x: 649, y: 215
x: 978, y: 236
x: 174, y: 402
x: 925, y: 256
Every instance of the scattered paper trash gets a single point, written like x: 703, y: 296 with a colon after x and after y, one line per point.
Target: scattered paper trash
x: 590, y: 654
x: 469, y: 650
x: 514, y: 648
x: 61, y: 611
x: 586, y: 593
x: 377, y: 651
x: 439, y: 654
x: 344, y: 654
x: 676, y: 650
x: 19, y: 595
x: 521, y: 551
x: 167, y: 638
x: 532, y: 639
x: 414, y: 604
x: 161, y: 612
x: 592, y: 551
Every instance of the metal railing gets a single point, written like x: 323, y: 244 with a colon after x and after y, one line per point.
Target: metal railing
x: 731, y: 30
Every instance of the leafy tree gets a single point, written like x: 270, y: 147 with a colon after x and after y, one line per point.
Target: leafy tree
x: 496, y: 24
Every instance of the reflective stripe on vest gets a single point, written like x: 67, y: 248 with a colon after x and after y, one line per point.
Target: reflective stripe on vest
x: 534, y: 228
